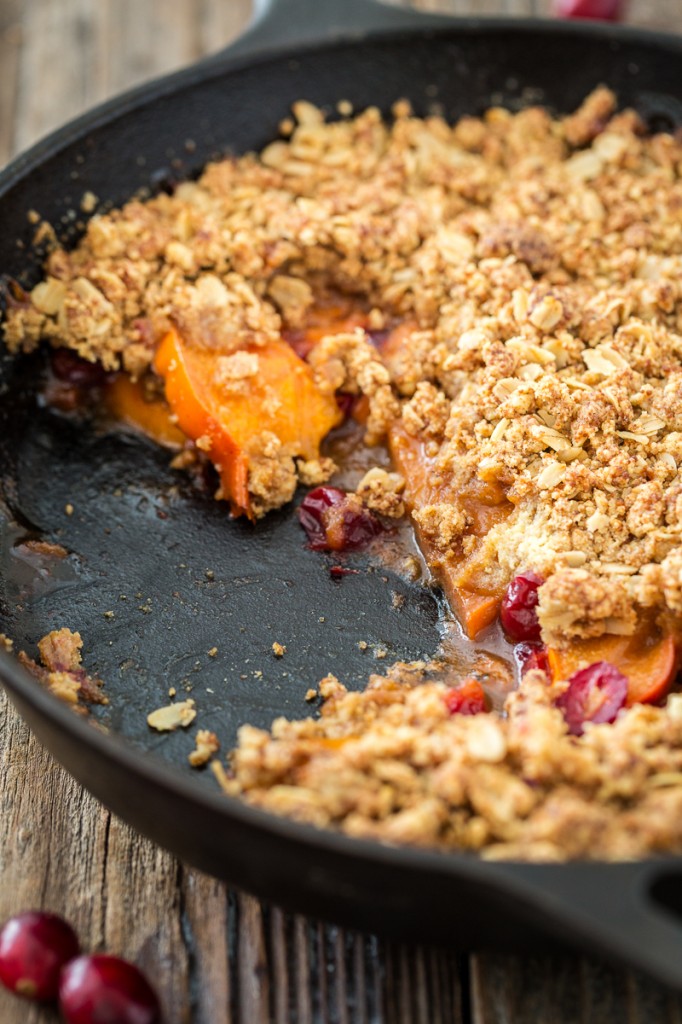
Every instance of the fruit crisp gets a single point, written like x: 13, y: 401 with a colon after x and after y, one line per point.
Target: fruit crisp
x: 499, y: 302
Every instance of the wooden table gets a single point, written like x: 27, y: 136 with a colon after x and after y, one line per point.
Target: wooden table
x: 219, y: 957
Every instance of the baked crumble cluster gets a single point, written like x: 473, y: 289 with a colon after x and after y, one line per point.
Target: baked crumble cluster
x: 393, y: 764
x: 528, y: 273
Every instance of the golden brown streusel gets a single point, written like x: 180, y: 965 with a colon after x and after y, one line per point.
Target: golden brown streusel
x: 392, y: 763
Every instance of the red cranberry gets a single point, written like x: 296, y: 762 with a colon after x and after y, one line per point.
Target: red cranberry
x: 345, y: 403
x: 378, y: 337
x: 594, y: 694
x: 518, y: 613
x: 333, y: 521
x: 466, y: 699
x: 604, y: 10
x: 531, y: 655
x: 103, y: 989
x: 300, y: 341
x: 337, y: 572
x: 71, y: 369
x: 33, y: 949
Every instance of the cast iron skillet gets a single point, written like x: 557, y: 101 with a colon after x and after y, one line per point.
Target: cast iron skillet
x: 182, y: 578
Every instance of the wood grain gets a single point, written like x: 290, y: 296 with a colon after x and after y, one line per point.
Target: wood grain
x: 218, y: 957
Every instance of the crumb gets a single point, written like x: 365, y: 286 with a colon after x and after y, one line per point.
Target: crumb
x: 172, y: 692
x: 278, y: 649
x: 311, y: 694
x: 380, y: 652
x: 174, y: 716
x: 89, y: 202
x: 46, y: 548
x: 213, y: 652
x: 363, y: 645
x: 206, y: 746
x: 61, y: 671
x: 68, y: 508
x: 108, y: 615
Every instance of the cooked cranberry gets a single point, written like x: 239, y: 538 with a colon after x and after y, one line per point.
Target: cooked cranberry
x: 378, y: 337
x: 345, y: 403
x: 466, y: 699
x: 594, y: 694
x: 518, y: 613
x: 300, y: 341
x: 335, y: 521
x: 337, y: 572
x: 33, y: 949
x: 530, y: 655
x: 604, y: 10
x: 71, y: 369
x: 106, y: 990
x: 311, y: 513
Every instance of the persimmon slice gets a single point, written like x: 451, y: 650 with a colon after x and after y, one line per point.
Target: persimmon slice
x: 648, y: 660
x: 127, y: 402
x: 473, y: 591
x: 281, y: 397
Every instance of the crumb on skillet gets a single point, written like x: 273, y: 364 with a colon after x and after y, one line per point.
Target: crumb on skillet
x: 174, y: 716
x: 206, y: 746
x: 60, y: 669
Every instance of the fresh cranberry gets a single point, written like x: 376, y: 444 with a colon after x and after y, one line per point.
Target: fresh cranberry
x: 333, y: 521
x: 518, y: 613
x: 594, y: 694
x: 103, y: 989
x: 604, y: 10
x: 34, y: 947
x: 71, y: 369
x: 466, y: 699
x: 531, y: 655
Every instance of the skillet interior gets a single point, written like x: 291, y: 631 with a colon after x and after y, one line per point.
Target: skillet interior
x: 264, y: 580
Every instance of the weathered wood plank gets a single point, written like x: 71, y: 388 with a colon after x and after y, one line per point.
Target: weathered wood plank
x: 10, y: 53
x: 565, y: 989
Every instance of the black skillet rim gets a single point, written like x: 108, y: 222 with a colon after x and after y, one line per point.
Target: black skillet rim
x: 117, y: 750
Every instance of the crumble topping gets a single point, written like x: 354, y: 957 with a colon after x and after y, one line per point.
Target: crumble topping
x: 392, y: 763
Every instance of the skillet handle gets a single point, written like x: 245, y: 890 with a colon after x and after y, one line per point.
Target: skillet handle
x: 629, y: 912
x: 280, y: 24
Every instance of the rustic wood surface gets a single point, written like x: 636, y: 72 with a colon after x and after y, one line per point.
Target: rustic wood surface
x: 219, y: 957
